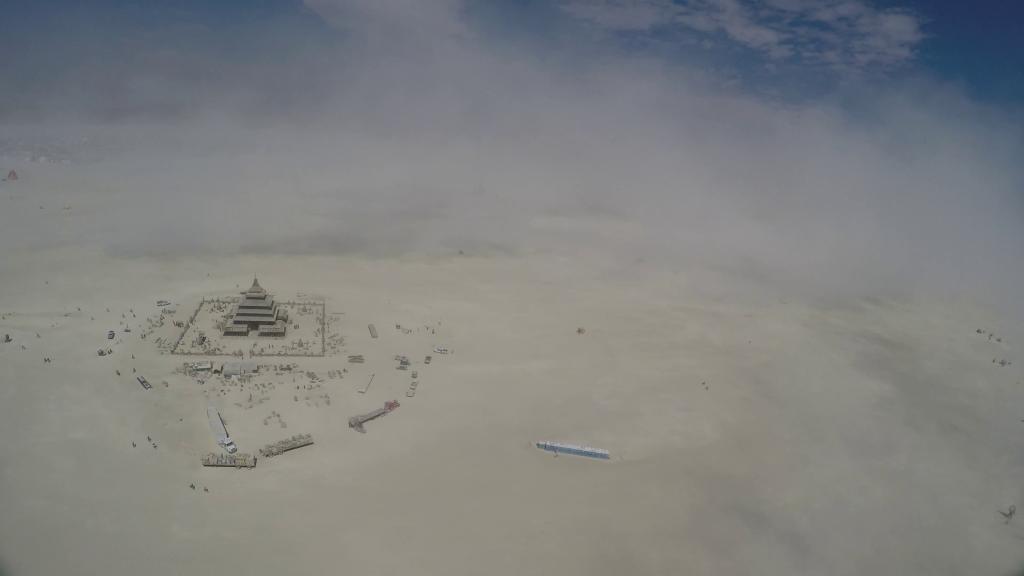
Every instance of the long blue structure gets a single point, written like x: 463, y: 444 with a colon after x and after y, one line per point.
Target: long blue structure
x: 574, y: 449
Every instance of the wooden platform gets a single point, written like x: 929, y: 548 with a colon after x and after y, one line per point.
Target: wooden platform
x: 277, y: 448
x: 230, y: 460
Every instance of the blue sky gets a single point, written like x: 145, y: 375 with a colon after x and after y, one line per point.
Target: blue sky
x: 977, y: 44
x: 793, y: 49
x: 980, y: 44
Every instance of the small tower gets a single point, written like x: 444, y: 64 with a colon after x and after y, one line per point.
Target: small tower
x: 255, y: 288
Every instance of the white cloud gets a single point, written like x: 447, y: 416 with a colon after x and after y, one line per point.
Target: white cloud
x: 847, y: 35
x: 622, y: 15
x: 400, y: 20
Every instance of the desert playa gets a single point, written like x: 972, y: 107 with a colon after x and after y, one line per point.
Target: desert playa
x: 747, y: 432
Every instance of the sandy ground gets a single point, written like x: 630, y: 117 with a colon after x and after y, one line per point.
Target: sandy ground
x: 750, y: 433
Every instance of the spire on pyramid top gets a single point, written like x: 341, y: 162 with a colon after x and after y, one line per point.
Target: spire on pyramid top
x: 256, y: 286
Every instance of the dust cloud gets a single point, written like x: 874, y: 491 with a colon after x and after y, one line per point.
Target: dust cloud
x: 412, y: 131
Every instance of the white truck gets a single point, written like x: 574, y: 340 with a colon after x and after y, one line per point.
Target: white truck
x: 219, y: 431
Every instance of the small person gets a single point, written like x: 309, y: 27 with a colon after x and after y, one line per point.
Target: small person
x: 1009, y: 513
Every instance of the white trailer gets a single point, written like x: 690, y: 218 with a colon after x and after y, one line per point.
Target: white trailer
x: 574, y: 449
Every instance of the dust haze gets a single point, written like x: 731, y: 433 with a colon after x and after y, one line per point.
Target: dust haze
x: 869, y: 232
x: 415, y: 132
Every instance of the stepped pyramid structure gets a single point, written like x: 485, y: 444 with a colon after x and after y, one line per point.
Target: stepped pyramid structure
x: 257, y: 311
